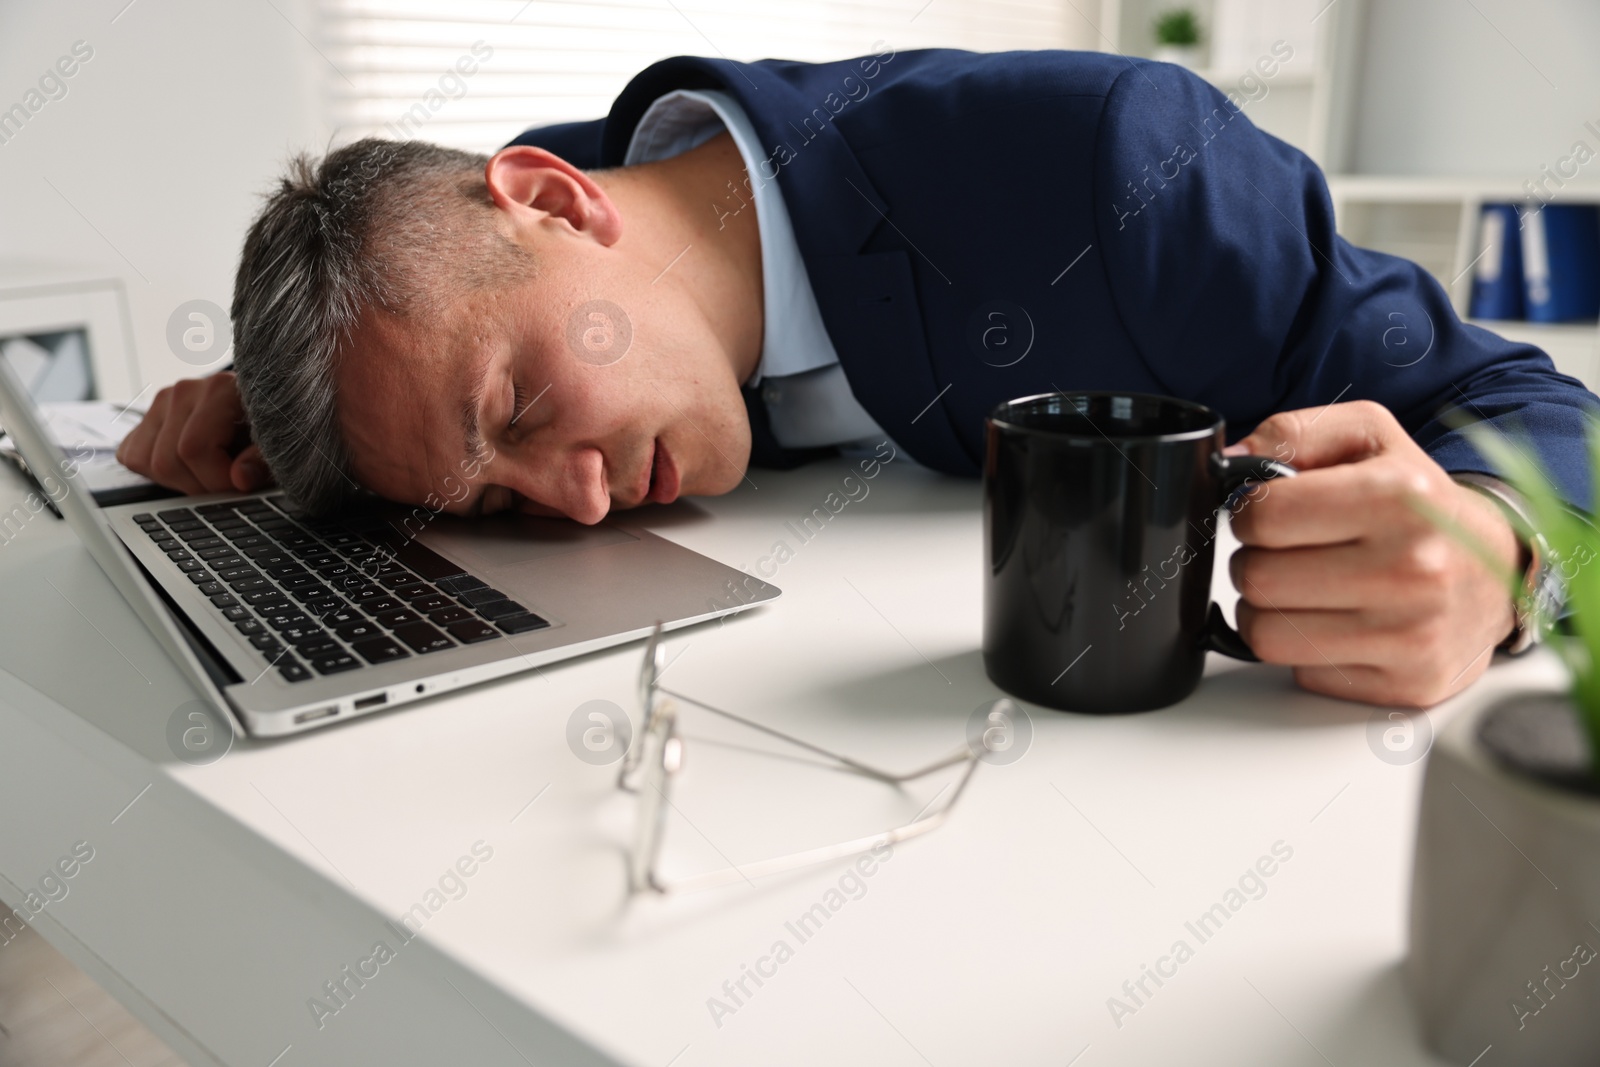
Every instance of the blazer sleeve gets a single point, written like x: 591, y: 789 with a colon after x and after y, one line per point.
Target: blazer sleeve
x: 1220, y: 250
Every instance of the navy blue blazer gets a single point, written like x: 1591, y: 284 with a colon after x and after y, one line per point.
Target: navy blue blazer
x: 1120, y: 222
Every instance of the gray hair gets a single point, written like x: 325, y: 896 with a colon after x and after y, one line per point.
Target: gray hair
x: 402, y: 226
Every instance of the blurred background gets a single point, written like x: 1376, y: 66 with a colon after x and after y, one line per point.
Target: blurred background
x: 137, y: 135
x: 128, y: 184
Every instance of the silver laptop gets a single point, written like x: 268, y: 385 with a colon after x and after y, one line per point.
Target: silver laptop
x: 288, y: 624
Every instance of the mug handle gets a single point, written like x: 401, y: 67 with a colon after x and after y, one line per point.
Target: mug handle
x: 1232, y: 472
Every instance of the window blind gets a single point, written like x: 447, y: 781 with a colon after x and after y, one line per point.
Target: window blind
x: 474, y: 73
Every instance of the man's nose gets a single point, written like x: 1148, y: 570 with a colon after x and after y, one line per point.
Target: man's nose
x: 575, y: 486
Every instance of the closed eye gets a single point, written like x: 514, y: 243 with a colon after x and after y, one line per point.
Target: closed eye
x: 519, y: 404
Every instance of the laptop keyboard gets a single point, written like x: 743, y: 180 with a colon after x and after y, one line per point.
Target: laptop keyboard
x: 325, y: 597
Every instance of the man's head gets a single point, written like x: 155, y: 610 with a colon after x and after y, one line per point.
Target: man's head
x: 398, y: 299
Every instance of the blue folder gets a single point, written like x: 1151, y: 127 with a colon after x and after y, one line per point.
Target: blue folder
x: 1561, y: 262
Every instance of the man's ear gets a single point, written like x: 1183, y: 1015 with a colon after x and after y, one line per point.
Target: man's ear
x: 523, y: 179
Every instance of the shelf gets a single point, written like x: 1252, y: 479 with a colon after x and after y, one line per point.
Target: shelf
x: 1407, y: 188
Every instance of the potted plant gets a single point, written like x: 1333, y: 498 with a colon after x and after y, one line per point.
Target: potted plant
x: 1178, y: 37
x: 1505, y: 897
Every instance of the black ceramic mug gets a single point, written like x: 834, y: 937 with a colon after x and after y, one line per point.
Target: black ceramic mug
x: 1100, y: 520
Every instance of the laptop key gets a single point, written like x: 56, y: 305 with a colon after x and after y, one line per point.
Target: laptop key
x: 471, y: 631
x: 517, y: 624
x: 236, y: 613
x: 233, y: 574
x: 262, y: 598
x: 243, y: 536
x: 379, y: 650
x: 432, y: 602
x: 210, y: 541
x: 334, y: 662
x: 322, y: 605
x: 481, y: 595
x: 178, y: 555
x: 303, y: 631
x: 342, y: 616
x: 221, y: 508
x: 249, y: 585
x: 176, y: 515
x: 212, y: 588
x: 293, y: 670
x: 312, y: 647
x: 409, y: 593
x: 307, y: 593
x: 445, y: 616
x: 186, y: 527
x: 167, y: 544
x: 193, y: 531
x: 248, y: 626
x: 335, y: 570
x: 198, y: 576
x: 220, y: 552
x: 374, y: 605
x: 358, y: 631
x: 188, y: 566
x: 299, y: 581
x: 366, y: 595
x: 224, y: 600
x: 144, y: 517
x: 268, y: 555
x: 398, y: 578
x: 285, y: 619
x: 461, y: 583
x: 400, y: 617
x: 499, y: 609
x: 424, y: 638
x: 266, y: 643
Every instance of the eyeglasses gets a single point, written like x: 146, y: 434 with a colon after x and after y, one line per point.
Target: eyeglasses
x: 649, y: 767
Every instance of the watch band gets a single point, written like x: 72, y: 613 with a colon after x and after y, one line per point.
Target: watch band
x: 1540, y: 600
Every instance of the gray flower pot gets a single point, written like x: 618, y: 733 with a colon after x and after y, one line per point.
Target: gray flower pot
x: 1505, y: 896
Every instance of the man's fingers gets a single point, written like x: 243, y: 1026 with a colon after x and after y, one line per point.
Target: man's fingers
x: 1332, y: 505
x: 1341, y: 577
x: 1310, y: 438
x: 205, y: 442
x: 1312, y: 638
x: 166, y: 465
x: 249, y: 471
x: 1354, y: 682
x: 134, y: 451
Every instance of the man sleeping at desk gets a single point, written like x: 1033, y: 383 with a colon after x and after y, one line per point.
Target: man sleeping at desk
x: 764, y: 262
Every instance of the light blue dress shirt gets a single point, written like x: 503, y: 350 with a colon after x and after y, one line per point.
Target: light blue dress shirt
x: 808, y: 399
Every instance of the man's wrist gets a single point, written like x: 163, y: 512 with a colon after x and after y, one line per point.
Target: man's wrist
x: 1527, y: 630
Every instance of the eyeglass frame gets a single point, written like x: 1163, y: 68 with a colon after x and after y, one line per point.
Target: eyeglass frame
x: 649, y: 766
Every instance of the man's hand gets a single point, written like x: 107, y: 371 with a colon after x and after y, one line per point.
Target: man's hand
x: 1342, y: 576
x: 188, y: 439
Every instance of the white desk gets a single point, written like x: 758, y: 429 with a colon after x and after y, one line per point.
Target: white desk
x: 222, y: 899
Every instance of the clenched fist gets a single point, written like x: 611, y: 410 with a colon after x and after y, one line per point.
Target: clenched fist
x: 195, y: 439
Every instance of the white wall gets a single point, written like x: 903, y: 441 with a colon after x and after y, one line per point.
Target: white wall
x: 163, y: 141
x: 1491, y: 87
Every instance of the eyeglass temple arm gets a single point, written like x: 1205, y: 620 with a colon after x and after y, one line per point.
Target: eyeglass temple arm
x: 916, y: 828
x: 955, y: 757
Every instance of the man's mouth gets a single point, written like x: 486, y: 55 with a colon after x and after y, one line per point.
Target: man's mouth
x: 663, y: 488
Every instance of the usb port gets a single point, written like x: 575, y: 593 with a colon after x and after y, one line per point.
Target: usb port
x: 316, y: 713
x: 372, y: 701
